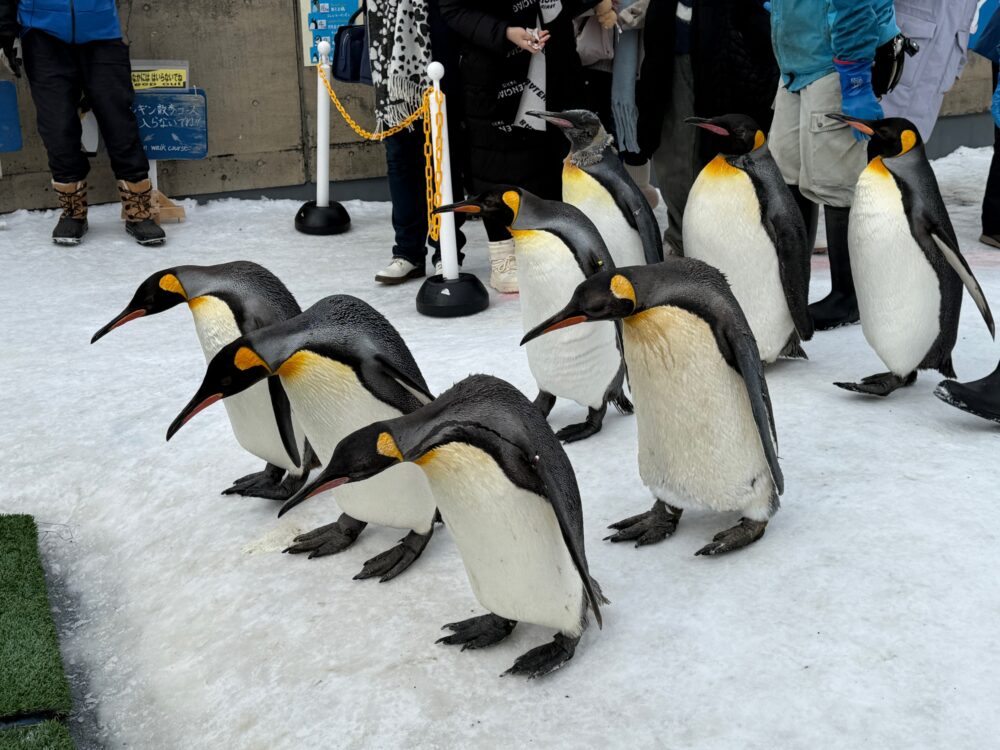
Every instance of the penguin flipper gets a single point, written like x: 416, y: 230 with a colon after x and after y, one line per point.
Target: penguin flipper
x: 957, y: 261
x: 392, y: 386
x: 610, y: 173
x: 411, y: 384
x: 748, y: 364
x: 791, y: 243
x: 283, y: 418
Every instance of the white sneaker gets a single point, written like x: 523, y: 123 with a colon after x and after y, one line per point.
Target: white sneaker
x: 398, y: 271
x: 503, y: 267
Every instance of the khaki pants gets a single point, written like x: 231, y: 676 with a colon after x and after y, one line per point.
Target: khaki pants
x: 816, y: 153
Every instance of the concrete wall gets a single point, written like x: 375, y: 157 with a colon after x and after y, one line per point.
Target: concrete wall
x: 261, y: 104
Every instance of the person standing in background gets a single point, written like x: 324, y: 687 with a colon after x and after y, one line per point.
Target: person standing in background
x: 988, y: 45
x: 71, y: 51
x: 825, y: 50
x: 517, y: 56
x: 941, y: 30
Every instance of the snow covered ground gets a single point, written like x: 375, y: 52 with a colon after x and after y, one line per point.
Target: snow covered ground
x: 866, y: 617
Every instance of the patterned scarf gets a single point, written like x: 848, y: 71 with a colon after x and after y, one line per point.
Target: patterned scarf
x: 400, y: 49
x: 533, y: 94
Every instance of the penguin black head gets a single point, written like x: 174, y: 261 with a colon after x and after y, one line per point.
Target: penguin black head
x: 891, y: 137
x: 359, y: 456
x: 500, y: 204
x: 581, y: 126
x: 737, y: 134
x: 158, y: 293
x: 608, y: 295
x: 236, y: 367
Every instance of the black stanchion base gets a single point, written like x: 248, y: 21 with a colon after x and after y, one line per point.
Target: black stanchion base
x: 441, y: 298
x: 313, y: 219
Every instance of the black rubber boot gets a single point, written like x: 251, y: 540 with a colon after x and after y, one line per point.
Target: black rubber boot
x: 72, y: 223
x: 980, y: 397
x: 840, y: 306
x: 810, y: 214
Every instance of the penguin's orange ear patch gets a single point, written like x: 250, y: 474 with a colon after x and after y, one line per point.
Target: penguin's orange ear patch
x: 246, y: 358
x: 907, y: 139
x: 387, y: 447
x: 513, y: 201
x: 759, y: 139
x: 622, y: 288
x: 170, y: 283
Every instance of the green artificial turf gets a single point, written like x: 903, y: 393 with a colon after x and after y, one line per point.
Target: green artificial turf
x: 31, y: 671
x: 49, y: 735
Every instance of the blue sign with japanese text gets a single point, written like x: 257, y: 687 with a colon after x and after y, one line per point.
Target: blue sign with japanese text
x: 10, y: 123
x: 173, y: 123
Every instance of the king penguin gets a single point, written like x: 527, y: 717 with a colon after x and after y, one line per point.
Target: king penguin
x: 343, y: 366
x: 907, y: 266
x: 595, y: 181
x: 557, y: 248
x: 507, y: 492
x: 742, y: 218
x: 227, y: 301
x: 706, y: 429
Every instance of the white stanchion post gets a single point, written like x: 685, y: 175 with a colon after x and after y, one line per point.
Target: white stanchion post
x: 447, y: 238
x: 323, y: 129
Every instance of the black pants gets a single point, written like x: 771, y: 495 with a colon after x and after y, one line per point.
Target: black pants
x: 59, y: 74
x: 991, y: 201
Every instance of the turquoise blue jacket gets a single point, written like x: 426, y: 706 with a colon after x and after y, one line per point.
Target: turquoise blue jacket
x: 73, y: 21
x: 808, y: 35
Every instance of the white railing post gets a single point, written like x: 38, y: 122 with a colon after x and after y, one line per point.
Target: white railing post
x: 447, y: 238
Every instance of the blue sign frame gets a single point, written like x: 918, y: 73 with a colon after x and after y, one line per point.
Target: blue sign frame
x: 10, y: 121
x: 173, y: 123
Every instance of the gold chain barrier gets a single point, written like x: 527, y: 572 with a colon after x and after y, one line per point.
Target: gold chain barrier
x: 432, y: 147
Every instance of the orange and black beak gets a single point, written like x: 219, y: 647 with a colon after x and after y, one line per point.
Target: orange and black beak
x: 562, y: 319
x: 200, y: 402
x: 862, y: 126
x: 121, y: 319
x: 559, y: 119
x: 462, y: 207
x: 708, y: 124
x: 319, y: 486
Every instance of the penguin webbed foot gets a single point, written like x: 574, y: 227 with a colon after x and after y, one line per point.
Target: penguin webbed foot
x: 880, y: 385
x: 329, y: 539
x: 650, y: 527
x: 248, y: 486
x: 280, y: 491
x: 544, y: 659
x: 744, y: 533
x: 478, y: 632
x: 395, y: 560
x: 591, y: 426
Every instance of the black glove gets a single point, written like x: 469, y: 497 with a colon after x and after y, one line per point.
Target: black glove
x: 7, y: 47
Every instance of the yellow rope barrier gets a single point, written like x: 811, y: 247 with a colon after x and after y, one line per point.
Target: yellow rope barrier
x: 432, y: 169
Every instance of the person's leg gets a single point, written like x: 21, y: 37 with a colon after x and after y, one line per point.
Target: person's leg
x: 991, y: 200
x: 676, y: 160
x: 832, y: 160
x: 56, y: 87
x: 107, y: 82
x: 404, y: 158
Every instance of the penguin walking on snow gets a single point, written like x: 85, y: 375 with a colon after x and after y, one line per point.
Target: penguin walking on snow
x: 907, y: 267
x: 706, y: 429
x: 508, y: 494
x: 595, y: 181
x: 742, y: 218
x: 343, y: 366
x: 227, y: 301
x: 557, y: 248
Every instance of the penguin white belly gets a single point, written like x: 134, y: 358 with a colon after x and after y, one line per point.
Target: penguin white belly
x: 698, y: 441
x: 623, y: 240
x: 332, y: 403
x: 251, y: 413
x: 899, y: 294
x: 722, y: 227
x: 579, y: 362
x: 509, y: 539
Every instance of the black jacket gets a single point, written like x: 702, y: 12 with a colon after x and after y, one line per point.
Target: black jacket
x: 492, y: 72
x: 8, y: 17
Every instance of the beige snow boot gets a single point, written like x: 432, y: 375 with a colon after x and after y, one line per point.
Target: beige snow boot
x: 640, y: 176
x: 137, y: 204
x: 503, y: 267
x: 72, y: 223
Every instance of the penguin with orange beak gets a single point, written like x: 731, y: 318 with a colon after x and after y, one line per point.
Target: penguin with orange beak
x: 907, y: 266
x: 227, y: 301
x: 706, y: 429
x: 343, y: 366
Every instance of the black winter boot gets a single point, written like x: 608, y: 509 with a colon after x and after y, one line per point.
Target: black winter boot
x: 810, y: 214
x: 73, y: 221
x: 137, y: 201
x: 840, y: 306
